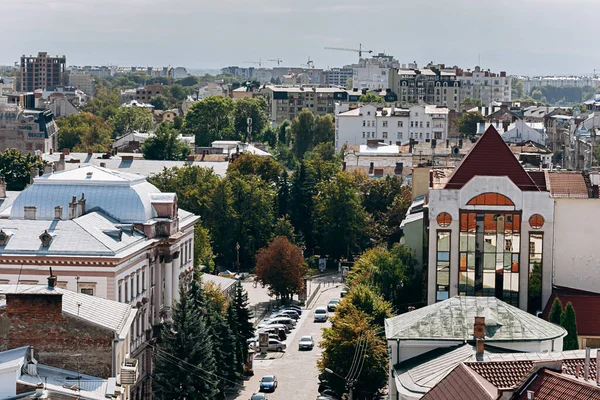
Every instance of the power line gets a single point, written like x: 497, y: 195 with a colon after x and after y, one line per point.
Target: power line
x: 164, y: 358
x: 360, y: 361
x: 355, y: 356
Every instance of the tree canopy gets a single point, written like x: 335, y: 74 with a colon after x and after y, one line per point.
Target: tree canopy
x: 281, y: 267
x: 165, y: 144
x: 105, y: 103
x: 255, y: 108
x: 250, y: 164
x: 15, y: 168
x: 83, y: 132
x: 309, y: 130
x: 467, y: 124
x: 129, y: 119
x: 568, y: 320
x: 209, y: 120
x: 370, y: 98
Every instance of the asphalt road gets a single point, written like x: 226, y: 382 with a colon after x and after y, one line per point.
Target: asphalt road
x: 296, y: 370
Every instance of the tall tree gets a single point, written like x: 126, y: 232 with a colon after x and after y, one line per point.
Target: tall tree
x: 84, y: 132
x: 165, y: 144
x: 243, y: 316
x: 569, y: 322
x: 302, y: 132
x: 184, y: 366
x: 248, y: 107
x: 301, y: 206
x: 203, y: 252
x: 467, y: 124
x: 469, y: 101
x: 129, y: 119
x: 365, y: 299
x: 209, y: 120
x: 105, y: 103
x: 250, y: 164
x: 15, y: 168
x: 341, y: 220
x: 555, y: 311
x: 283, y: 194
x: 281, y: 267
x: 160, y: 102
x: 240, y: 346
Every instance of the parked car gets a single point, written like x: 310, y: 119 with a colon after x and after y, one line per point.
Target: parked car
x: 295, y: 308
x: 259, y: 396
x: 274, y: 324
x: 268, y: 383
x: 227, y: 274
x: 321, y: 314
x: 280, y: 333
x: 289, y: 314
x: 306, y: 342
x: 276, y: 345
x: 287, y: 321
x: 332, y: 305
x: 345, y: 291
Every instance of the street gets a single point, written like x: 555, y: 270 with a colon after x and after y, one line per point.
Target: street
x: 296, y: 370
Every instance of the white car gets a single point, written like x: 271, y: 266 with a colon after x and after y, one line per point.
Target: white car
x: 269, y: 324
x: 288, y: 322
x: 276, y: 345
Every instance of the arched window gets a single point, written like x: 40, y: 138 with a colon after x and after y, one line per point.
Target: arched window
x: 490, y: 199
x: 444, y: 219
x: 536, y: 221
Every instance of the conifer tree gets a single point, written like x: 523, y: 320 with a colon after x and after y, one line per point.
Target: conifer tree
x: 238, y: 345
x: 184, y: 364
x: 568, y: 321
x: 245, y: 329
x: 555, y: 312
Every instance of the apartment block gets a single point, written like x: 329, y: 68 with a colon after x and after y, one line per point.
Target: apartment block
x: 484, y: 85
x: 41, y: 72
x: 431, y: 85
x: 82, y: 81
x: 149, y: 91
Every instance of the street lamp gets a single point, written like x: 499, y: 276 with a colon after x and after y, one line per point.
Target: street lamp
x: 237, y: 263
x: 349, y: 384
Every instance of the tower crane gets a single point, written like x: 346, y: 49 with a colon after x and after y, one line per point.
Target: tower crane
x: 259, y: 62
x: 277, y: 60
x: 360, y: 49
x: 310, y: 63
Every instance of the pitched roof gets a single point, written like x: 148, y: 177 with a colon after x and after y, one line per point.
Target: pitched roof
x: 491, y: 156
x: 550, y: 385
x: 108, y: 314
x: 567, y: 185
x: 462, y: 383
x: 453, y: 319
x: 586, y: 305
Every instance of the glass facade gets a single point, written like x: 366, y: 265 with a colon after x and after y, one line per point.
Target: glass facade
x: 442, y: 265
x: 534, y: 290
x: 489, y: 254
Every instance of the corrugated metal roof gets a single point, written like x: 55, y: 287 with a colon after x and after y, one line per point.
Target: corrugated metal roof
x: 453, y: 319
x: 108, y: 314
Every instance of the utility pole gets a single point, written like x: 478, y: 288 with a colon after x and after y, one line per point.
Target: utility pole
x: 249, y: 130
x: 237, y: 263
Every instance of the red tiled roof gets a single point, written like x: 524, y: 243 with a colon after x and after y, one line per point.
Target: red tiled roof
x: 567, y: 184
x: 586, y: 305
x: 549, y: 385
x: 508, y: 374
x: 462, y: 383
x: 490, y: 156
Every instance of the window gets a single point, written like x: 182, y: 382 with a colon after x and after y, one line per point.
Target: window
x: 88, y: 291
x: 536, y: 221
x: 119, y: 296
x: 444, y: 219
x: 363, y: 135
x: 144, y: 279
x: 490, y: 199
x: 399, y: 135
x: 385, y: 124
x: 420, y: 124
x: 137, y: 283
x: 489, y: 255
x: 534, y: 286
x: 385, y: 135
x: 400, y: 124
x: 412, y: 124
x: 368, y: 112
x: 428, y: 124
x: 364, y: 123
x: 442, y: 265
x: 126, y: 291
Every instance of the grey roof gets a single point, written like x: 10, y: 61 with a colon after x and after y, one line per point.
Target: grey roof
x: 108, y: 314
x: 7, y: 202
x: 222, y: 281
x: 88, y: 235
x: 124, y: 196
x: 141, y: 167
x: 453, y: 319
x: 13, y: 356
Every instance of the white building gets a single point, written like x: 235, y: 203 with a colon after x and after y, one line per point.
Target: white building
x: 389, y: 125
x: 105, y: 233
x: 484, y: 85
x: 530, y: 83
x: 372, y: 73
x: 518, y: 131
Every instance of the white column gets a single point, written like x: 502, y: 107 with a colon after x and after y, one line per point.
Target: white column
x: 176, y: 272
x: 157, y: 290
x: 168, y: 281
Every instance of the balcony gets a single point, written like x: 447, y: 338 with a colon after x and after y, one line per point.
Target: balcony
x: 129, y: 371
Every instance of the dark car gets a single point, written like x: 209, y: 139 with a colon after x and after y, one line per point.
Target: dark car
x: 268, y: 383
x: 295, y: 308
x: 332, y: 305
x: 258, y: 396
x: 345, y: 291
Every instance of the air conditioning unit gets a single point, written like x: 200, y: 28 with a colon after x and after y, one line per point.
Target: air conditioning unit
x: 129, y: 371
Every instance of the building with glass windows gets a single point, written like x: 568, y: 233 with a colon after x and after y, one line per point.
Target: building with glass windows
x: 498, y: 230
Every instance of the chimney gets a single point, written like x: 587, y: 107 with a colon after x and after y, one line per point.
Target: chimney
x: 479, y: 328
x: 586, y: 366
x: 31, y: 364
x: 73, y: 208
x: 479, y: 349
x: 58, y: 212
x: 52, y: 281
x: 48, y: 169
x: 81, y: 205
x: 33, y: 173
x: 530, y: 395
x: 578, y: 371
x: 2, y: 188
x: 29, y: 212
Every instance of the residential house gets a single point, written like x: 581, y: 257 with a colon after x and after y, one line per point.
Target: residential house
x: 27, y: 130
x: 518, y: 131
x: 146, y: 93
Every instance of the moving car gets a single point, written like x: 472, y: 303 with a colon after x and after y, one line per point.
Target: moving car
x: 345, y: 291
x: 332, y: 305
x: 268, y: 383
x: 259, y: 396
x: 306, y: 342
x: 321, y: 314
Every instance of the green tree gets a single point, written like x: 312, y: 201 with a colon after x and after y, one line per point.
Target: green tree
x: 243, y: 316
x: 189, y: 81
x: 281, y: 267
x: 178, y: 92
x: 84, y: 132
x: 105, y: 103
x: 341, y: 220
x: 517, y: 88
x: 569, y: 322
x: 469, y: 101
x: 15, y: 167
x: 209, y: 120
x: 203, y: 252
x: 365, y: 299
x: 239, y: 345
x: 250, y: 164
x: 185, y: 346
x: 129, y: 119
x: 555, y: 311
x: 534, y: 301
x: 537, y: 95
x: 285, y: 156
x: 165, y: 144
x: 324, y: 130
x: 248, y: 107
x: 283, y: 227
x: 160, y: 102
x: 467, y: 124
x: 370, y: 98
x: 302, y: 132
x: 325, y: 151
x: 349, y: 83
x: 301, y: 204
x: 284, y: 134
x: 349, y: 335
x: 283, y: 195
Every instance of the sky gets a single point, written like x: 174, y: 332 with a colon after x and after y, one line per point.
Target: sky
x: 521, y: 37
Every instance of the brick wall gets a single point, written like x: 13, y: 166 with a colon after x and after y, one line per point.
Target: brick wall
x: 37, y: 320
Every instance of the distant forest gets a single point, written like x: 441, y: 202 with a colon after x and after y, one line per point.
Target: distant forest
x: 562, y: 96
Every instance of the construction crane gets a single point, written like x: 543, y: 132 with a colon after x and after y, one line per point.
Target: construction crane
x: 359, y: 50
x: 259, y: 62
x: 277, y: 60
x: 310, y: 63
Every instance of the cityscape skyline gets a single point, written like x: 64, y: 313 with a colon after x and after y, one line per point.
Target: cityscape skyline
x: 157, y: 35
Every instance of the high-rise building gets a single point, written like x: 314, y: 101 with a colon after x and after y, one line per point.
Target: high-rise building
x: 42, y: 72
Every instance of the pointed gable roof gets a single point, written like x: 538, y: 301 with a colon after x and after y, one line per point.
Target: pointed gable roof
x: 491, y: 156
